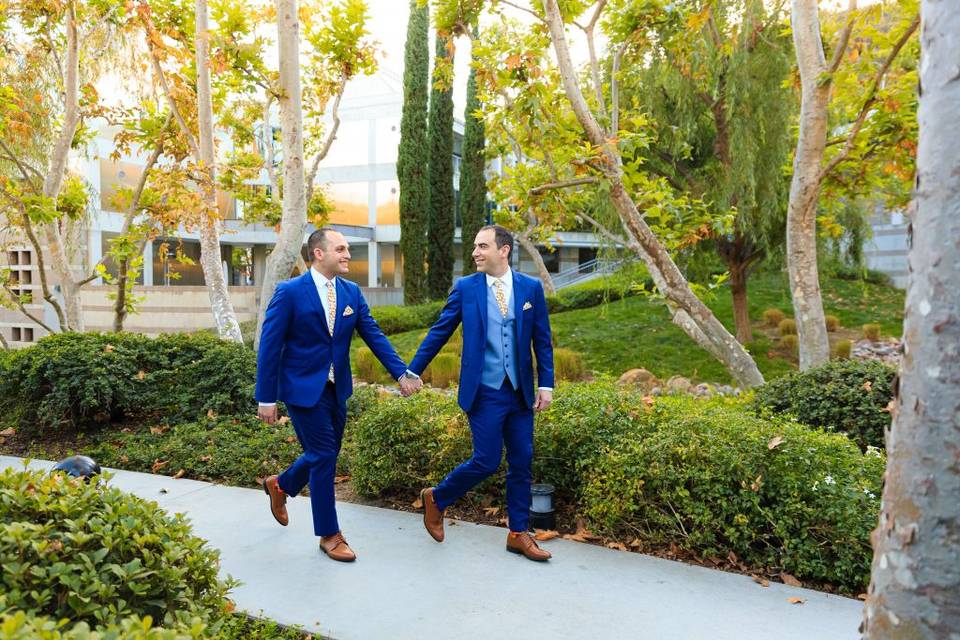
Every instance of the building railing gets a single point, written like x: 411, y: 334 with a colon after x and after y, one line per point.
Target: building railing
x: 587, y: 271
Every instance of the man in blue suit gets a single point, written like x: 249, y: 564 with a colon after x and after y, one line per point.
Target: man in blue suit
x: 304, y: 360
x: 503, y: 313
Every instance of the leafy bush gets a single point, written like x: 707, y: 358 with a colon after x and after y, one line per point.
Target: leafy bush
x: 710, y: 479
x: 91, y: 553
x: 443, y: 370
x: 22, y: 626
x: 83, y: 380
x: 773, y: 317
x: 368, y: 368
x: 400, y: 318
x: 568, y: 365
x: 787, y: 327
x: 832, y: 322
x: 848, y: 396
x: 407, y: 444
x: 842, y: 349
x: 629, y: 281
x: 871, y: 332
x: 790, y: 342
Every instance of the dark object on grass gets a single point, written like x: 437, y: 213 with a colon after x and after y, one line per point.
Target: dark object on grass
x: 542, y: 515
x: 78, y: 467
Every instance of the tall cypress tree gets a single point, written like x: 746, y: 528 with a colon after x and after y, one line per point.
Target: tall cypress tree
x: 412, y: 154
x: 473, y: 183
x: 440, y: 221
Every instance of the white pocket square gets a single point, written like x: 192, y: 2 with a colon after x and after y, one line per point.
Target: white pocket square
x: 527, y: 305
x: 348, y: 311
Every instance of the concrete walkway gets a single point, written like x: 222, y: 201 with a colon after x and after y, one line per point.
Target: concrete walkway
x: 404, y: 585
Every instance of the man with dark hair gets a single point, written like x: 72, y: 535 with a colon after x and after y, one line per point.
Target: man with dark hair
x: 304, y: 360
x: 504, y: 316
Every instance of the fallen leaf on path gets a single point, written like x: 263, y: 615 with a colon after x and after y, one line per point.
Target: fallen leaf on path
x: 635, y: 543
x: 546, y: 534
x: 862, y: 596
x: 796, y: 600
x: 790, y: 580
x: 491, y: 511
x: 340, y: 479
x: 576, y: 537
x: 619, y: 546
x: 157, y: 465
x: 763, y: 582
x: 179, y: 474
x: 775, y: 442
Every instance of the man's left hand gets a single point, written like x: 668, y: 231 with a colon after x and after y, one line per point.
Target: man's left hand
x: 544, y: 398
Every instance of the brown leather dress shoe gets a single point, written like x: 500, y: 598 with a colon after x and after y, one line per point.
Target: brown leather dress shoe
x: 337, y: 548
x: 278, y: 499
x: 432, y: 516
x: 525, y: 545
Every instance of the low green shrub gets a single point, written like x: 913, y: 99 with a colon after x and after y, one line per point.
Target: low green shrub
x: 400, y: 318
x: 84, y: 380
x: 711, y: 479
x: 444, y: 370
x: 626, y: 282
x: 406, y: 444
x: 368, y: 368
x: 842, y: 349
x: 787, y: 327
x: 773, y: 317
x: 790, y: 342
x: 87, y: 552
x: 568, y: 365
x: 871, y: 332
x: 22, y: 626
x: 848, y: 396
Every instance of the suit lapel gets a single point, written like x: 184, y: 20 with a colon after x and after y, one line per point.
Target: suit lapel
x: 482, y: 299
x: 342, y: 303
x: 518, y: 299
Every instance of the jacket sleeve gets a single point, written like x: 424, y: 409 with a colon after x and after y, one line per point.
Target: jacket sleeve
x: 276, y: 322
x: 373, y: 335
x: 440, y: 332
x: 542, y: 343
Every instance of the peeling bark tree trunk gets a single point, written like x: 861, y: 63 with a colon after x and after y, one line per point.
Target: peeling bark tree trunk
x: 805, y: 187
x: 286, y: 252
x: 53, y: 181
x: 228, y: 327
x: 915, y: 586
x: 687, y: 311
x: 739, y: 256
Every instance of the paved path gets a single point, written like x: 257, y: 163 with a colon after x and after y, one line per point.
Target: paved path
x: 404, y: 585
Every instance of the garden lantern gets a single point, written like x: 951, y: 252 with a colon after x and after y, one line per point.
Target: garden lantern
x: 542, y: 515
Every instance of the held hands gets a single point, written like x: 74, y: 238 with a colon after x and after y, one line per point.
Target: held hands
x: 409, y: 385
x: 543, y: 400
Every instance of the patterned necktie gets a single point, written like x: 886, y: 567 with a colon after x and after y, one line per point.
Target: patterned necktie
x: 331, y: 315
x: 332, y: 304
x: 501, y: 299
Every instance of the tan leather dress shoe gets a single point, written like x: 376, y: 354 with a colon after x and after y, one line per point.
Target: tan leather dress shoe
x: 278, y: 499
x: 337, y: 548
x: 525, y: 545
x: 432, y: 516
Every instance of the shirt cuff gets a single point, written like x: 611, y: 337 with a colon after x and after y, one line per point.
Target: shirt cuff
x: 550, y: 389
x: 411, y: 374
x: 267, y: 404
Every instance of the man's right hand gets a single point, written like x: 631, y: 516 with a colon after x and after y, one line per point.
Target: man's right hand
x: 409, y: 385
x: 267, y: 414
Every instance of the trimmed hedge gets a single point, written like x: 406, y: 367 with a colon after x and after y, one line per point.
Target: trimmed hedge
x: 90, y: 553
x: 707, y: 477
x: 81, y: 380
x: 704, y: 474
x: 847, y: 396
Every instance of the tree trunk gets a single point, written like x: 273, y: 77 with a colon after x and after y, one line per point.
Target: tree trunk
x: 805, y: 187
x: 915, y: 581
x: 531, y: 249
x: 286, y: 251
x: 687, y: 311
x: 53, y: 181
x: 210, y: 254
x: 741, y: 306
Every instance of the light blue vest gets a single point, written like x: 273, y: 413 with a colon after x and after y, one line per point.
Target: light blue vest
x: 500, y: 351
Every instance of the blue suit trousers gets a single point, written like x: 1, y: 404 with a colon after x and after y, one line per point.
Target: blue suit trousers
x: 499, y: 417
x: 320, y: 431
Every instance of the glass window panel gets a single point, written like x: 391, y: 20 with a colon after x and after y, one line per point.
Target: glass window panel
x: 349, y: 201
x: 388, y: 202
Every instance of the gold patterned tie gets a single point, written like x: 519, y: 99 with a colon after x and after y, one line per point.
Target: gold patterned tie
x: 501, y: 299
x: 331, y: 315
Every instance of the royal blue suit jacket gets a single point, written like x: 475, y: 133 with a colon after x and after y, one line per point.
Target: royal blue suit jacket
x: 296, y: 347
x: 467, y: 303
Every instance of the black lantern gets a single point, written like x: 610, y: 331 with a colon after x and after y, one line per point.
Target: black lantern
x: 78, y: 467
x: 542, y: 515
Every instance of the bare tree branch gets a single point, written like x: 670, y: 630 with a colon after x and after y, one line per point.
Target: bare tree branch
x: 843, y: 39
x: 42, y: 272
x: 615, y: 88
x: 591, y: 48
x: 870, y: 99
x: 522, y: 8
x: 331, y: 136
x: 16, y: 299
x: 536, y: 191
x: 606, y: 233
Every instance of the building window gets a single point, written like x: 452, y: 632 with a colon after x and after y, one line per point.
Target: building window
x: 20, y: 262
x: 21, y: 334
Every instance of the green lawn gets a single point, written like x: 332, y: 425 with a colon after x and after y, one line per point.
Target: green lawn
x: 637, y: 332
